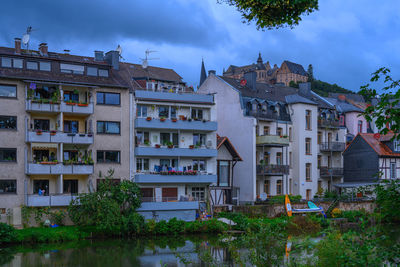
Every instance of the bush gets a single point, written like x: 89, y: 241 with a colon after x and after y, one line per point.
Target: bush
x: 176, y: 226
x: 40, y: 235
x: 57, y: 217
x: 7, y: 233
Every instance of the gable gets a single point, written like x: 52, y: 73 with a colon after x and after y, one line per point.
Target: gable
x: 358, y: 145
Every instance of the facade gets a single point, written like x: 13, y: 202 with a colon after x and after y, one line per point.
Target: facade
x: 287, y: 72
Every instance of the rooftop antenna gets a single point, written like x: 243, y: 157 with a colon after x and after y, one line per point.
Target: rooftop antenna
x: 145, y: 61
x: 26, y: 37
x: 119, y: 50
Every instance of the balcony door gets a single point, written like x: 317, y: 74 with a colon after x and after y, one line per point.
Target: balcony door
x: 147, y: 194
x: 43, y: 125
x: 169, y: 194
x: 43, y: 185
x: 71, y: 126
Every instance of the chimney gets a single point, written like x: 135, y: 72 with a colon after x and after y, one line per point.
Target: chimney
x: 211, y: 72
x: 251, y: 79
x: 17, y: 45
x: 98, y: 55
x: 305, y: 89
x: 112, y: 58
x: 43, y: 49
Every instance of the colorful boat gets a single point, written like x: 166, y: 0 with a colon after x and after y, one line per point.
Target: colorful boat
x: 311, y: 208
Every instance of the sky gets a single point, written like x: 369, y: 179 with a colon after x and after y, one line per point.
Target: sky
x: 344, y: 40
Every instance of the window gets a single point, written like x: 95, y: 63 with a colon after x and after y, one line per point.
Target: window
x: 17, y: 63
x: 290, y: 159
x: 43, y: 125
x: 198, y: 193
x: 319, y: 140
x: 8, y: 91
x: 197, y: 114
x: 12, y: 63
x: 71, y: 126
x: 70, y: 186
x: 108, y: 127
x: 142, y: 165
x: 70, y: 68
x: 266, y: 130
x: 42, y: 185
x: 320, y: 185
x: 6, y: 62
x: 168, y: 164
x: 393, y: 170
x: 329, y: 161
x: 41, y: 155
x: 173, y: 112
x: 266, y: 187
x: 8, y: 155
x: 108, y: 156
x: 199, y: 139
x: 319, y: 161
x: 341, y: 120
x: 169, y: 194
x: 279, y: 131
x: 166, y: 138
x: 279, y: 158
x: 141, y: 111
x: 290, y: 133
x: 71, y: 96
x: 142, y: 137
x: 279, y: 187
x: 70, y: 155
x: 8, y: 186
x: 147, y: 194
x: 45, y: 66
x: 308, y: 172
x: 91, y: 71
x: 223, y: 173
x: 308, y: 119
x: 308, y: 194
x: 103, y: 73
x: 8, y: 122
x: 108, y: 98
x: 199, y: 165
x: 266, y: 158
x: 396, y: 143
x: 308, y: 146
x: 31, y: 65
x: 359, y: 126
x: 163, y: 111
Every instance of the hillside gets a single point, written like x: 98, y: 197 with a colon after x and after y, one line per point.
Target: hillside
x: 324, y: 88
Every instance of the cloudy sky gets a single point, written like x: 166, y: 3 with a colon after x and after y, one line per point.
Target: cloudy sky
x: 345, y: 40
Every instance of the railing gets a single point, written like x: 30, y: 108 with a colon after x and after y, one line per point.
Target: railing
x: 272, y: 169
x: 58, y: 137
x: 332, y: 146
x: 77, y: 108
x: 170, y: 199
x: 49, y: 200
x: 328, y: 123
x: 181, y: 97
x: 40, y: 105
x: 58, y: 168
x: 327, y: 172
x: 272, y: 140
x: 268, y: 115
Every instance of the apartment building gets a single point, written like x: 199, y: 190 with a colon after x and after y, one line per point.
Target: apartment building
x: 64, y: 122
x: 175, y: 147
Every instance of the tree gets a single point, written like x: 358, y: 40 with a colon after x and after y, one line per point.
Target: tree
x: 273, y: 14
x: 383, y: 108
x: 310, y: 73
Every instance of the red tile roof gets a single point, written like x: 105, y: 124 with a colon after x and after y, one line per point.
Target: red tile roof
x: 376, y: 143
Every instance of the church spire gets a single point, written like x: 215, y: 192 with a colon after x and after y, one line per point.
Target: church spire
x: 203, y: 75
x: 259, y: 60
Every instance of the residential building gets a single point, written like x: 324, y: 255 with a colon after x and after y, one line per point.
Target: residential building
x: 175, y: 149
x: 64, y: 119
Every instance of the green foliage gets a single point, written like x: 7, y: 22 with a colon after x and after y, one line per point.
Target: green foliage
x: 110, y: 208
x: 281, y: 199
x: 330, y: 194
x: 57, y: 217
x: 47, y: 235
x: 385, y: 112
x: 354, y: 215
x: 310, y: 73
x: 324, y: 88
x: 388, y: 200
x: 7, y: 233
x: 270, y: 14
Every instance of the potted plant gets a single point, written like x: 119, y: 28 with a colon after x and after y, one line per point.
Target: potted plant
x: 174, y: 119
x: 148, y: 119
x: 146, y: 142
x: 170, y: 144
x: 162, y: 118
x: 190, y: 119
x: 53, y: 132
x: 191, y: 146
x: 83, y: 104
x: 157, y: 146
x: 76, y: 92
x: 90, y: 134
x: 204, y: 120
x: 39, y: 132
x: 182, y: 117
x: 195, y: 119
x: 70, y: 103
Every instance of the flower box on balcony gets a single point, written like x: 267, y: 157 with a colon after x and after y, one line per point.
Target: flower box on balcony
x: 181, y: 117
x: 191, y: 146
x: 39, y: 132
x: 70, y: 103
x: 70, y: 134
x: 170, y: 146
x: 162, y: 119
x: 82, y: 135
x: 83, y: 104
x: 53, y: 132
x: 157, y: 146
x: 90, y: 135
x: 49, y: 162
x: 174, y: 119
x: 148, y: 119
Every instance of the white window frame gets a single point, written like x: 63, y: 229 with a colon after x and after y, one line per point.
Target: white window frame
x: 141, y: 162
x: 393, y: 170
x: 199, y: 193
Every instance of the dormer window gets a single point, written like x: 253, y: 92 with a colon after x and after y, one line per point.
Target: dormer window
x: 70, y: 68
x: 396, y: 145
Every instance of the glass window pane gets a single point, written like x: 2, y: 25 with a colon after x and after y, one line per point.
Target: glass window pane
x: 91, y: 71
x: 175, y: 139
x: 112, y: 156
x: 8, y: 122
x: 8, y: 91
x: 100, y: 98
x: 17, y: 63
x: 200, y: 114
x: 112, y: 99
x: 70, y: 68
x: 165, y: 138
x: 8, y: 154
x: 146, y: 164
x: 100, y: 156
x: 103, y: 73
x: 8, y: 186
x: 223, y: 173
x: 45, y: 66
x: 6, y: 62
x: 163, y: 111
x: 112, y: 127
x: 173, y: 112
x: 100, y: 127
x: 31, y: 65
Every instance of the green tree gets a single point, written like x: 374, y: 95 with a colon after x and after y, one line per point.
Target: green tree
x: 273, y: 14
x: 384, y: 106
x: 310, y: 73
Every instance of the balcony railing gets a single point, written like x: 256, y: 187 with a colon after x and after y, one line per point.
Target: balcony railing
x: 174, y: 97
x: 77, y: 108
x: 175, y: 152
x: 58, y: 137
x: 268, y: 115
x: 58, y: 168
x: 177, y: 124
x: 40, y: 106
x: 332, y: 146
x: 177, y: 177
x: 272, y: 140
x: 56, y: 200
x: 328, y: 172
x: 271, y: 169
x: 328, y: 123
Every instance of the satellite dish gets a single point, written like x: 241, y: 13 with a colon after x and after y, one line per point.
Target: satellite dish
x: 119, y: 50
x: 145, y: 61
x: 145, y: 64
x: 25, y: 39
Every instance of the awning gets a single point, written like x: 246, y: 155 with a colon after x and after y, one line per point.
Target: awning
x: 43, y: 145
x: 353, y: 185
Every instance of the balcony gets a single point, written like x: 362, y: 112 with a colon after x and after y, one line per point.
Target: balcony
x: 268, y: 115
x: 332, y: 147
x: 58, y: 137
x: 40, y: 106
x: 77, y: 108
x: 175, y: 152
x: 328, y: 172
x: 49, y: 201
x: 174, y: 97
x: 158, y: 205
x: 272, y: 140
x: 143, y: 123
x: 57, y: 168
x: 143, y: 178
x: 328, y: 123
x: 272, y: 169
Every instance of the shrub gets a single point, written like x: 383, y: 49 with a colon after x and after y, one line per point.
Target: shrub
x: 161, y: 228
x: 336, y: 212
x: 57, y: 217
x: 7, y: 233
x: 133, y: 224
x: 176, y: 226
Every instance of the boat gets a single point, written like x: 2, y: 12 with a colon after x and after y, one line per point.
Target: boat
x: 312, y: 208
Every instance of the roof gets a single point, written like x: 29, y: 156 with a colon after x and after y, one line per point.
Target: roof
x: 353, y: 185
x: 296, y: 98
x: 377, y: 144
x: 225, y: 140
x: 343, y: 106
x: 154, y: 73
x: 295, y: 68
